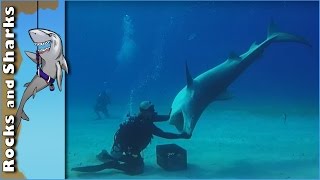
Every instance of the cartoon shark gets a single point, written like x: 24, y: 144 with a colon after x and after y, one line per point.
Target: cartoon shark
x: 212, y: 85
x: 50, y: 63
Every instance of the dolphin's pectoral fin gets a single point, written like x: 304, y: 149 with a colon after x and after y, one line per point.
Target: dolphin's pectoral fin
x: 189, y: 77
x: 234, y: 56
x: 26, y: 84
x: 225, y: 95
x: 177, y: 121
x: 34, y: 92
x: 180, y: 122
x: 188, y: 121
x: 24, y: 116
x: 59, y: 75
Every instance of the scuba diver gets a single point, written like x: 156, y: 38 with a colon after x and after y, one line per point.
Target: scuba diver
x: 132, y: 137
x: 102, y: 102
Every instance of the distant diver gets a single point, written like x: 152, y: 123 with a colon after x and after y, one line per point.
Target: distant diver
x: 132, y: 137
x: 101, y: 106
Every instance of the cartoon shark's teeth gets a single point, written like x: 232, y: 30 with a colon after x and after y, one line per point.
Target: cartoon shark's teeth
x: 42, y: 43
x: 45, y: 49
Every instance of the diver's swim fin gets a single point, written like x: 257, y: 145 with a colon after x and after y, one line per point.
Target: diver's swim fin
x: 95, y: 168
x: 104, y: 156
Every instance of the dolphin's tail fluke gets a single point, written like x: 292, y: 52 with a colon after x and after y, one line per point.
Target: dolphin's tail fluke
x: 276, y: 36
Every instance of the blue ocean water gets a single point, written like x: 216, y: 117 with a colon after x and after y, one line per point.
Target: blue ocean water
x: 167, y: 34
x: 138, y: 50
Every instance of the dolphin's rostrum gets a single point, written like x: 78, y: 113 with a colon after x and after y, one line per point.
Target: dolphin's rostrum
x: 51, y: 60
x: 212, y: 85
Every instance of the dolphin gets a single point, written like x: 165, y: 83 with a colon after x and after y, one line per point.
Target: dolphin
x: 51, y: 61
x: 212, y: 85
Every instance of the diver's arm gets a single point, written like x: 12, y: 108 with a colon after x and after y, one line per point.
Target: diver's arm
x: 167, y: 135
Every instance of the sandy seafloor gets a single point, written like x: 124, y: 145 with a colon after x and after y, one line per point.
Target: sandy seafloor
x: 238, y: 142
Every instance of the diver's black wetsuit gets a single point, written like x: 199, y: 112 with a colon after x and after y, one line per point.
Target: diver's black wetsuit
x: 136, y: 133
x: 132, y: 137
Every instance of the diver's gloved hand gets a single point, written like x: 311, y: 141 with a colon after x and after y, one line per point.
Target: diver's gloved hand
x: 185, y: 135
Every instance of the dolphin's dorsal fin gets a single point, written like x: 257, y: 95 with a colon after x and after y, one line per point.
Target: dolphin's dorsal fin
x: 189, y: 77
x: 272, y: 28
x: 225, y: 95
x: 253, y: 45
x: 234, y: 56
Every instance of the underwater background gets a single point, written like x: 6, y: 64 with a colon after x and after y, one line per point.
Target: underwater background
x: 137, y: 51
